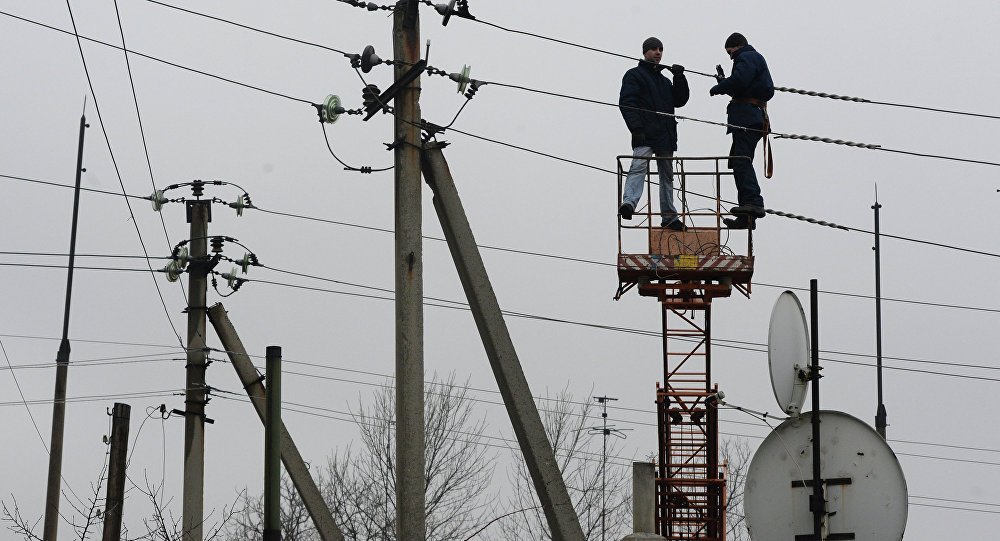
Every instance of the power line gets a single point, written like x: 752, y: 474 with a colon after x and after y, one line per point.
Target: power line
x: 250, y: 28
x: 100, y: 361
x: 525, y: 149
x: 56, y: 254
x: 86, y: 341
x: 601, y: 326
x: 680, y: 117
x: 142, y: 133
x: 114, y: 162
x: 327, y: 366
x: 777, y: 135
x: 82, y: 189
x: 607, y: 264
x: 720, y: 342
x: 77, y: 267
x: 160, y: 60
x: 778, y: 88
x: 100, y: 397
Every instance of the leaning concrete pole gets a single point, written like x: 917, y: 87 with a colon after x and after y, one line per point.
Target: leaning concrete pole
x: 538, y: 454
x: 294, y: 464
x: 410, y: 513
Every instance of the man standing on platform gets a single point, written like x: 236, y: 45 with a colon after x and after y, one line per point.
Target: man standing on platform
x: 647, y: 103
x: 751, y: 87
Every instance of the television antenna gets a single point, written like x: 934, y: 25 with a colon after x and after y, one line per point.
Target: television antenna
x: 605, y: 431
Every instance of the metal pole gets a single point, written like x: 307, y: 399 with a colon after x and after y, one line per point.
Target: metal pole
x: 410, y: 511
x: 272, y: 446
x: 199, y: 214
x: 116, y: 472
x: 521, y: 408
x: 817, y: 502
x: 290, y: 456
x: 880, y: 413
x: 604, y: 469
x: 54, y: 485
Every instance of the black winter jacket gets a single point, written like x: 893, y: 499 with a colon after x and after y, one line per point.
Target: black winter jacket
x: 644, y: 87
x: 750, y: 78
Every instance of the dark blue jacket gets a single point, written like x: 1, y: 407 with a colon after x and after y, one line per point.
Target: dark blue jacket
x: 750, y: 78
x: 644, y: 87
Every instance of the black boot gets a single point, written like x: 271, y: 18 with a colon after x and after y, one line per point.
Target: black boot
x: 740, y: 222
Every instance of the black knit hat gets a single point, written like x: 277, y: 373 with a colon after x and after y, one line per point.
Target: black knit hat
x: 735, y: 40
x: 651, y: 43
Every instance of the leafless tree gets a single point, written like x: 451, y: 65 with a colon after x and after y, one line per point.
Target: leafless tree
x: 579, y: 456
x: 358, y: 483
x: 735, y: 452
x: 87, y: 518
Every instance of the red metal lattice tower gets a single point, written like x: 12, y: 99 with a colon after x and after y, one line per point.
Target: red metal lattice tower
x: 685, y: 271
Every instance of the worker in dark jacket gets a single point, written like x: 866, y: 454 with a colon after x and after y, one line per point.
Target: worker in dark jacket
x: 645, y: 94
x: 751, y: 87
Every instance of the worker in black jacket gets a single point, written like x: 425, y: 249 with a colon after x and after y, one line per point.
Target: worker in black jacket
x: 647, y: 103
x: 750, y: 87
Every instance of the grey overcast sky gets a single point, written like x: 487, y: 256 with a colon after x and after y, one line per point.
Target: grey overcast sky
x: 941, y: 416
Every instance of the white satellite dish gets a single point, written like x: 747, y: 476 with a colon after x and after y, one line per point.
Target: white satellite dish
x: 788, y: 353
x: 863, y: 483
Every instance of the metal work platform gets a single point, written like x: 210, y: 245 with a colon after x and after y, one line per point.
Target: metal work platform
x: 684, y: 271
x: 707, y: 253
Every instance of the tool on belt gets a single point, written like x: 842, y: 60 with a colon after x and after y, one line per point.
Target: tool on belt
x: 766, y: 130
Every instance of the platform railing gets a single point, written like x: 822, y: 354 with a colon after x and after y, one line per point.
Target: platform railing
x: 696, y: 178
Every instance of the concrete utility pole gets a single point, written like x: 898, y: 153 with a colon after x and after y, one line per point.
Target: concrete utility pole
x: 294, y: 464
x: 199, y: 214
x: 643, y: 502
x: 517, y: 397
x: 272, y: 446
x: 115, y: 501
x: 410, y: 512
x: 54, y: 486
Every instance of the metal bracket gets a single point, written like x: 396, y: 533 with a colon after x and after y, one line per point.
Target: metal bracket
x: 186, y: 413
x: 390, y: 93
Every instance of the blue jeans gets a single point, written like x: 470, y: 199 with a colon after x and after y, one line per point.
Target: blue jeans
x: 637, y: 176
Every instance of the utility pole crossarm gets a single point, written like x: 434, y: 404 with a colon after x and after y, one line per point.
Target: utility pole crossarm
x: 513, y: 385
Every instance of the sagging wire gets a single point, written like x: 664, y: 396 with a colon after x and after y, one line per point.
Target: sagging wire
x: 463, y: 13
x: 329, y: 112
x: 364, y: 169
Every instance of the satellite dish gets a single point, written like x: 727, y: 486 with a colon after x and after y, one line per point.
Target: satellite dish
x: 863, y: 482
x: 788, y: 353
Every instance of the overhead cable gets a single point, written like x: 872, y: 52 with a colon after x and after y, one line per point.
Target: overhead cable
x: 713, y: 76
x: 121, y: 182
x: 562, y: 257
x: 160, y: 60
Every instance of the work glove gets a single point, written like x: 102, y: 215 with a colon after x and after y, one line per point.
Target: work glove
x: 719, y: 74
x: 714, y: 91
x: 676, y: 69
